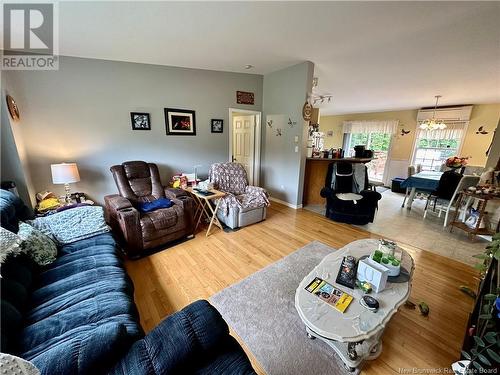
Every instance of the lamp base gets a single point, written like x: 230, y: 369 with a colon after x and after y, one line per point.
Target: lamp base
x: 68, y: 193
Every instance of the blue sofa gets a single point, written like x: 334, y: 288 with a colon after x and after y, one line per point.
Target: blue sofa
x: 77, y: 316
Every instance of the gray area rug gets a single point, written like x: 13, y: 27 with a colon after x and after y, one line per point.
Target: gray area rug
x: 261, y: 311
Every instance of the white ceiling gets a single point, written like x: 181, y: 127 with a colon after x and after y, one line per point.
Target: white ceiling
x: 371, y: 56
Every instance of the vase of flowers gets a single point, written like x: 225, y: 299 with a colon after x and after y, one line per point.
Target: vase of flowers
x: 455, y: 162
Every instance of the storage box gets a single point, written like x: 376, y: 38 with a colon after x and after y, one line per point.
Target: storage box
x: 396, y: 185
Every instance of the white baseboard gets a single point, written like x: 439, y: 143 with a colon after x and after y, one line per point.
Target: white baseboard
x: 294, y: 206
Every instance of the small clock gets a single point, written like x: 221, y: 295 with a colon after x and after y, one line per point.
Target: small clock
x: 13, y: 108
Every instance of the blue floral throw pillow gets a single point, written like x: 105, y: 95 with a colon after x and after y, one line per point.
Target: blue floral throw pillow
x: 37, y: 245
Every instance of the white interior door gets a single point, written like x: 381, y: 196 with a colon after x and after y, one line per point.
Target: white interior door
x: 244, y: 143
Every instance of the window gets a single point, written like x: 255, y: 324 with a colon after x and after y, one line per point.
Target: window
x: 375, y: 135
x: 379, y: 143
x: 432, y: 148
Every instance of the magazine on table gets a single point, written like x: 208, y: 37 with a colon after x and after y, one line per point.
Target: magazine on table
x: 328, y: 293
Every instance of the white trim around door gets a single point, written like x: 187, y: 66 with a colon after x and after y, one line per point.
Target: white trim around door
x: 257, y: 139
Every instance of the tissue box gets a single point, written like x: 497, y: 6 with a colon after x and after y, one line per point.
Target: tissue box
x: 373, y: 272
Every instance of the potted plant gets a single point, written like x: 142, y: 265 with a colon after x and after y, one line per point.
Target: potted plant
x: 482, y: 345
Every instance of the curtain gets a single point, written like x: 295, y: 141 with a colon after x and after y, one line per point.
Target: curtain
x: 454, y: 130
x: 385, y: 126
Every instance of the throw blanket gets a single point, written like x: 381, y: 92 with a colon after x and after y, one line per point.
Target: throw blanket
x: 73, y: 225
x: 252, y: 198
x: 231, y: 178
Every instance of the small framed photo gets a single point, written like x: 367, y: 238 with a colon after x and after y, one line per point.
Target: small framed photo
x: 217, y: 126
x: 140, y: 121
x: 180, y: 121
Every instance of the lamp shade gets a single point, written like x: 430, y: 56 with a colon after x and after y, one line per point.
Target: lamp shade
x: 64, y: 173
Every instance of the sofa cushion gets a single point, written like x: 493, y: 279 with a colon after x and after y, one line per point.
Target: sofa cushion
x: 128, y: 321
x: 37, y: 245
x: 230, y: 360
x: 73, y: 282
x: 72, y: 297
x: 61, y: 271
x: 101, y: 240
x: 197, y: 331
x: 83, y: 313
x: 93, y: 351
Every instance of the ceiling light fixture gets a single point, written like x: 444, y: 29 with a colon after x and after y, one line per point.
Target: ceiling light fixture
x: 248, y: 66
x: 433, y: 124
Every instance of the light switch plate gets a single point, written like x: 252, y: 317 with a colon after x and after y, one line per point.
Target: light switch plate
x: 296, y: 139
x: 296, y: 148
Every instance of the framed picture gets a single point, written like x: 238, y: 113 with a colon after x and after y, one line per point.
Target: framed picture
x: 140, y: 121
x: 180, y: 121
x: 217, y: 125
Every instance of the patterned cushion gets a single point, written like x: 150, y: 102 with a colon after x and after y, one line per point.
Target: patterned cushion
x: 37, y: 245
x: 17, y: 365
x: 9, y: 244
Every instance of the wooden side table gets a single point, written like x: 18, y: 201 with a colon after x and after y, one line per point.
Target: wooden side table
x: 202, y: 203
x: 459, y: 220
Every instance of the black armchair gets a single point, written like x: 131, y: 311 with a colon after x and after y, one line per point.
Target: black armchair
x: 347, y: 200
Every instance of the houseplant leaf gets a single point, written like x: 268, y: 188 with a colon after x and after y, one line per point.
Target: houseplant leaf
x: 466, y: 355
x: 494, y: 356
x: 483, y: 359
x: 478, y: 341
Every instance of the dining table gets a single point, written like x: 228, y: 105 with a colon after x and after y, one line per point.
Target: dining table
x: 426, y: 181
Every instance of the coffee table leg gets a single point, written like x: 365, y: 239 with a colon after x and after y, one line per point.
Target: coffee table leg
x: 351, y: 351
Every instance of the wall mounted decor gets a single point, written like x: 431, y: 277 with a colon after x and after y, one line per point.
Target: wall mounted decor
x: 307, y: 111
x: 180, y: 121
x: 13, y: 108
x: 270, y: 123
x: 217, y: 125
x: 291, y: 123
x: 278, y: 132
x: 140, y: 121
x: 329, y: 133
x: 244, y: 97
x: 404, y: 132
x: 481, y: 130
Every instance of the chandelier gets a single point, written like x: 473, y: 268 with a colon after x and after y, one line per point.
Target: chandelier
x: 433, y: 124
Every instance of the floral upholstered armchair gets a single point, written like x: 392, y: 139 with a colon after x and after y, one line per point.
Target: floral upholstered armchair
x: 243, y: 205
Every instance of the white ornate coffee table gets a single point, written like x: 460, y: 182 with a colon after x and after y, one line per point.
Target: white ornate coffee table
x: 355, y: 335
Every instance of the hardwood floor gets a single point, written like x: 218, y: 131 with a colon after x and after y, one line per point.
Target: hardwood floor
x: 171, y: 279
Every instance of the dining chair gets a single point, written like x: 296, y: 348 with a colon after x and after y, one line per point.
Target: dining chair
x: 447, y: 204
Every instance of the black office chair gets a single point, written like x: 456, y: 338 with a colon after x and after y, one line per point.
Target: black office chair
x: 343, y: 177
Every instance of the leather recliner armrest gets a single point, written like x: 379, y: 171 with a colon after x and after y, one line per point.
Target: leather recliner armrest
x: 174, y: 193
x: 124, y: 217
x: 116, y: 202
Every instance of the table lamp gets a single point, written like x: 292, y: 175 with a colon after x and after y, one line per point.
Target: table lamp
x: 65, y: 173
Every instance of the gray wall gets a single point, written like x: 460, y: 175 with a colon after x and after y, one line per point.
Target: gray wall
x: 81, y: 114
x: 285, y: 92
x: 12, y: 164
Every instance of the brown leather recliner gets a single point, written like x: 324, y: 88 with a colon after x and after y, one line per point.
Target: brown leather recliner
x: 137, y: 182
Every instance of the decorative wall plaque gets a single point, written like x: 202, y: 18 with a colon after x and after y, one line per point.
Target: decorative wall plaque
x: 243, y: 97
